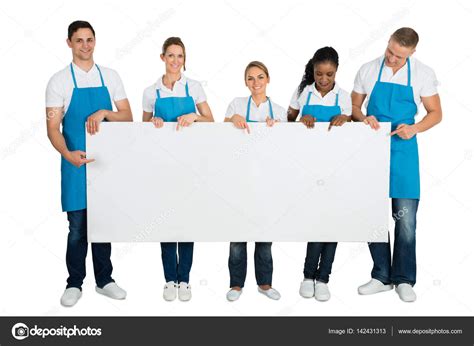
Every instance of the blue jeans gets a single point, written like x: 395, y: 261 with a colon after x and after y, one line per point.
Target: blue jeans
x: 176, y: 268
x: 77, y: 251
x: 238, y: 263
x: 318, y: 262
x: 402, y: 269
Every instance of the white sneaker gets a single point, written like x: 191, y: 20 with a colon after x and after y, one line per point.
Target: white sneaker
x: 112, y: 290
x: 233, y: 295
x: 374, y: 286
x: 307, y: 288
x: 406, y: 292
x: 270, y: 293
x: 70, y: 296
x: 169, y: 292
x: 321, y: 291
x: 184, y: 291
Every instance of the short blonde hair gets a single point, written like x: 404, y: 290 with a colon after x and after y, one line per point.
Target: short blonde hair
x: 405, y: 37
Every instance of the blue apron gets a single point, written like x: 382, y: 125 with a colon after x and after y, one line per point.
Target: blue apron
x: 247, y: 118
x: 170, y: 108
x: 395, y: 103
x: 84, y: 102
x: 320, y: 112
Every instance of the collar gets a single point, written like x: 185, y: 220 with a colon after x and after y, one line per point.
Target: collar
x: 159, y: 83
x: 315, y: 91
x: 77, y: 69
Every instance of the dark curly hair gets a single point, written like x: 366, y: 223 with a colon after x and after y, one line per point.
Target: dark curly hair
x: 325, y: 54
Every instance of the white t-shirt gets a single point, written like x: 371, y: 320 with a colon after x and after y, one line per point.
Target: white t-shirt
x: 61, y: 85
x: 257, y: 113
x: 179, y: 90
x: 298, y: 102
x: 423, y: 78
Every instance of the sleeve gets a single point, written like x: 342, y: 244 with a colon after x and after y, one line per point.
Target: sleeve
x: 346, y: 103
x: 294, y: 102
x: 359, y: 83
x: 54, y: 95
x: 118, y: 92
x: 430, y: 83
x: 280, y: 113
x: 231, y: 109
x: 148, y: 102
x: 198, y: 93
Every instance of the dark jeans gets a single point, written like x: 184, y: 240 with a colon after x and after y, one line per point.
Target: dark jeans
x: 402, y: 269
x: 177, y: 268
x: 77, y: 251
x: 318, y: 262
x: 238, y: 263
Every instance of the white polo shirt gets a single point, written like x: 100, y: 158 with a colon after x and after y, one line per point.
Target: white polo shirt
x: 61, y: 85
x: 257, y: 113
x: 179, y: 90
x: 298, y: 102
x: 423, y: 78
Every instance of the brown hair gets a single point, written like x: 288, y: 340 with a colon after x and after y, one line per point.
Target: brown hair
x: 406, y: 37
x: 258, y: 64
x: 174, y: 41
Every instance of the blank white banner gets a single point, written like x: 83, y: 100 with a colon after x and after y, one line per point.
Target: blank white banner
x: 213, y: 182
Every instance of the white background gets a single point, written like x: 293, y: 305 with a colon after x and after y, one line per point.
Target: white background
x: 221, y: 38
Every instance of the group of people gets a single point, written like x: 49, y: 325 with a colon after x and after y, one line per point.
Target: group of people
x: 80, y: 96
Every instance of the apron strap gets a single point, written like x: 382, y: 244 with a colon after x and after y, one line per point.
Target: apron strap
x: 381, y: 69
x: 308, y: 98
x: 100, y: 74
x: 271, y: 108
x: 409, y: 72
x: 247, y: 117
x: 158, y: 94
x: 337, y: 99
x: 187, y: 89
x: 73, y: 76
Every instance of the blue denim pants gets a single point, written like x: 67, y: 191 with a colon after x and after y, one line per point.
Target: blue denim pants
x: 77, y: 251
x: 402, y: 268
x: 318, y: 262
x: 238, y: 263
x: 177, y: 261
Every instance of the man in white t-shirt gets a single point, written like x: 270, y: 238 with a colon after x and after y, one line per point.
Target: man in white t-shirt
x: 394, y: 85
x: 80, y: 97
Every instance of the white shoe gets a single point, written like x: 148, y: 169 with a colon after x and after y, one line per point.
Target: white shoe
x: 112, y: 290
x: 307, y: 288
x: 374, y: 286
x: 70, y: 296
x: 406, y: 292
x: 169, y: 292
x: 270, y: 293
x: 233, y: 295
x: 321, y: 291
x: 184, y: 291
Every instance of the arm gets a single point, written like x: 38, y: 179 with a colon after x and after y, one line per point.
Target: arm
x: 53, y: 123
x: 205, y: 116
x: 357, y: 115
x: 148, y: 117
x: 292, y: 114
x: 238, y: 121
x: 123, y: 113
x: 433, y: 117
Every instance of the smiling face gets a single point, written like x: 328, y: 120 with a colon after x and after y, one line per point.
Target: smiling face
x: 396, y: 55
x: 173, y: 58
x: 256, y: 80
x: 325, y: 76
x: 82, y: 44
